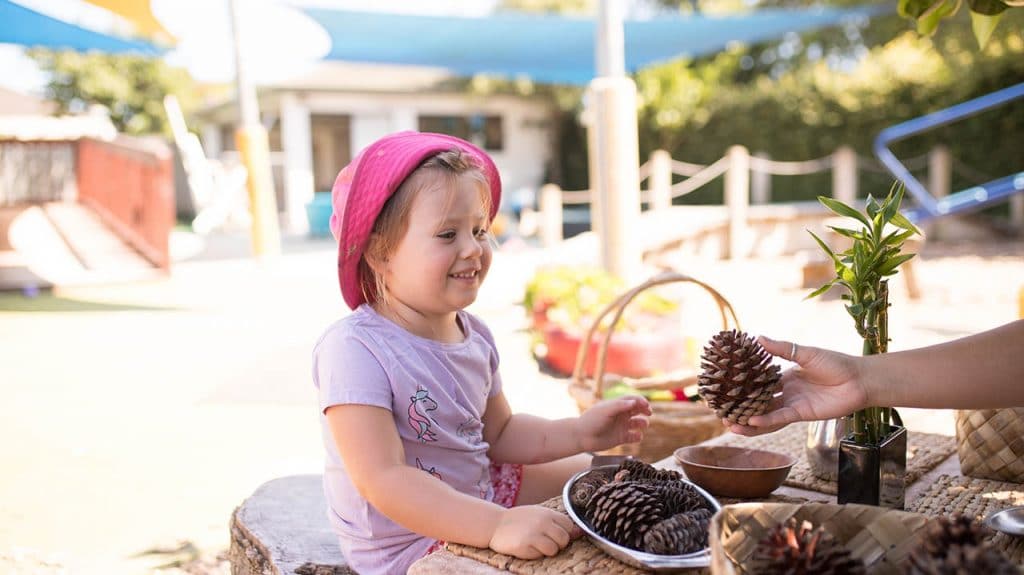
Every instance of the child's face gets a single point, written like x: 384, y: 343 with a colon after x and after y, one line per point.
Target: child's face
x: 441, y: 261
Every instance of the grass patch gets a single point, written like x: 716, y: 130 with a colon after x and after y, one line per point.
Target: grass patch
x: 46, y: 301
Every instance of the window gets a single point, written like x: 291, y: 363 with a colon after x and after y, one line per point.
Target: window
x: 484, y: 131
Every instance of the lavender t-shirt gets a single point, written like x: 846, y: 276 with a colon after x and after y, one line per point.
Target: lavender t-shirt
x: 437, y: 393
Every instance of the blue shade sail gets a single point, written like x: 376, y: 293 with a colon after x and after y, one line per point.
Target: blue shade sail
x: 20, y: 25
x: 546, y: 48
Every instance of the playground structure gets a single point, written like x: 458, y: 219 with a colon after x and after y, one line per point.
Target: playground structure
x: 84, y: 210
x: 933, y: 206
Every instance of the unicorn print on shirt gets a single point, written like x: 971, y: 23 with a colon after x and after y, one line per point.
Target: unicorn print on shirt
x: 420, y: 405
x: 432, y: 471
x: 471, y: 429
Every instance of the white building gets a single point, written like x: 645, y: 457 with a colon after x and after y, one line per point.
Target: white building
x: 319, y: 120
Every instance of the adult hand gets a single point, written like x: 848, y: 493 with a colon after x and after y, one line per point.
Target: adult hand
x: 613, y: 422
x: 532, y: 531
x: 824, y: 384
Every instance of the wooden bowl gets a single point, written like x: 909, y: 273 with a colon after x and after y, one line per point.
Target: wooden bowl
x: 734, y: 471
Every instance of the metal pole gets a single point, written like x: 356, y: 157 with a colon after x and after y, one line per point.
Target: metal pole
x: 254, y: 149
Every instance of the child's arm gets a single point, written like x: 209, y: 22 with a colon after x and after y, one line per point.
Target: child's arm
x: 371, y: 449
x: 522, y: 438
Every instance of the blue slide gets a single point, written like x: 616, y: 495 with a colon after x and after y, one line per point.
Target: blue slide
x: 928, y: 206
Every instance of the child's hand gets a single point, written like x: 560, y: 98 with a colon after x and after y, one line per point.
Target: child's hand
x: 532, y: 531
x: 613, y: 422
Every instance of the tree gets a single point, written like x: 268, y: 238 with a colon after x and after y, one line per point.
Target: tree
x: 132, y: 88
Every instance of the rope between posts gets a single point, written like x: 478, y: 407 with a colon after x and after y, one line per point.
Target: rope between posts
x: 700, y: 178
x: 790, y: 168
x: 686, y: 168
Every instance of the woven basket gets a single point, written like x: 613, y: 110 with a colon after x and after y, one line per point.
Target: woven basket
x: 881, y: 538
x: 674, y: 423
x: 990, y: 443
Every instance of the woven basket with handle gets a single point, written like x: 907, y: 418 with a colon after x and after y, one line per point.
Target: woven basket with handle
x: 673, y: 424
x: 882, y: 538
x: 990, y: 443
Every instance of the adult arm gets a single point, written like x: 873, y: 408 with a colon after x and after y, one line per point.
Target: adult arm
x: 984, y: 370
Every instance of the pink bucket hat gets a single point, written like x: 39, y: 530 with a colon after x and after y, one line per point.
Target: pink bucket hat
x: 363, y: 186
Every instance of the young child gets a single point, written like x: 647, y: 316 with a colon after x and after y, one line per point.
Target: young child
x: 421, y: 444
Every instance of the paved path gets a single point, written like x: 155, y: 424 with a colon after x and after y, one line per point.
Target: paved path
x: 138, y: 416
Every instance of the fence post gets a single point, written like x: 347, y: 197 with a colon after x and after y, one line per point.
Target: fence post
x: 761, y: 183
x: 737, y: 199
x: 550, y: 215
x: 1017, y: 216
x: 659, y: 180
x: 844, y: 175
x: 940, y: 181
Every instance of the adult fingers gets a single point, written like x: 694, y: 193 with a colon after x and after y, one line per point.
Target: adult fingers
x: 750, y: 431
x: 784, y: 349
x: 777, y: 418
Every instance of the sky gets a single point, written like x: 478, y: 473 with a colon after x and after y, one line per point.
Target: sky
x: 204, y: 44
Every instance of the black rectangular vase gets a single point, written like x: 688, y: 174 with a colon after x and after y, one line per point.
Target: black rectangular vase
x: 874, y: 474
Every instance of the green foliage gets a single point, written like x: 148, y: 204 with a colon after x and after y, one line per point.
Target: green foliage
x: 697, y: 110
x: 549, y: 6
x: 132, y: 88
x: 985, y: 14
x: 572, y: 296
x: 874, y: 255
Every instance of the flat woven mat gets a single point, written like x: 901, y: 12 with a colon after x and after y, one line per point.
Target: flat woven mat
x: 975, y: 498
x: 581, y: 556
x: 924, y: 452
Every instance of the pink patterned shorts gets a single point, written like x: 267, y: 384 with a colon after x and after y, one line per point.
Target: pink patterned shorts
x: 506, y: 478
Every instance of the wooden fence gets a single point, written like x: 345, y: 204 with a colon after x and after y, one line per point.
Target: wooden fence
x: 747, y: 179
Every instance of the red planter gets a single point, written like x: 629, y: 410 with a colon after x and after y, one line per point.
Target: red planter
x: 631, y: 354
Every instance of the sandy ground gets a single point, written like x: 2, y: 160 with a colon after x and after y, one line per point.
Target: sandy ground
x: 136, y: 417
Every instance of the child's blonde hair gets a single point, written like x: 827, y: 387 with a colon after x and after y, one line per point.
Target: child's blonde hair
x: 441, y: 171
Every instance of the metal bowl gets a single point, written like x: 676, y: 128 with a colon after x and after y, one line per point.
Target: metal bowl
x: 1009, y: 521
x: 641, y: 559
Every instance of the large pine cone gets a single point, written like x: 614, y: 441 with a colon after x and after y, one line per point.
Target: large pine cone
x: 636, y: 470
x: 792, y: 549
x: 624, y: 511
x: 679, y: 534
x: 584, y: 487
x: 957, y: 545
x: 738, y: 378
x: 679, y: 497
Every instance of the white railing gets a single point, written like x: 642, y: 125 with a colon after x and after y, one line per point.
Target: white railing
x: 747, y: 180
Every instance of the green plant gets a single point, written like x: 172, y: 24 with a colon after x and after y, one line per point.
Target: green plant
x: 862, y: 270
x: 985, y: 14
x: 571, y: 296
